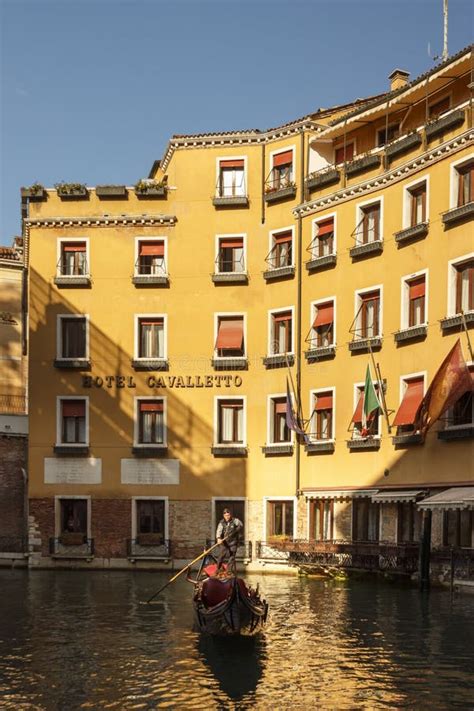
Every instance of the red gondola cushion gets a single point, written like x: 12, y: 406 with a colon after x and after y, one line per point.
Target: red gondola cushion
x: 211, y: 569
x: 215, y: 591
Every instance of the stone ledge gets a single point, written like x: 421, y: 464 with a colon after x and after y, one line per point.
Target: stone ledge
x: 237, y: 201
x: 72, y: 281
x: 230, y: 278
x: 149, y: 452
x: 363, y: 344
x: 279, y: 273
x: 72, y: 364
x: 278, y: 360
x: 415, y: 232
x: 456, y: 214
x: 408, y: 334
x: 229, y: 451
x: 363, y: 444
x: 150, y: 364
x: 281, y: 194
x: 68, y: 450
x: 230, y: 363
x: 315, y: 447
x: 405, y: 440
x: 150, y: 280
x: 321, y: 352
x: 277, y: 449
x: 321, y: 262
x: 456, y: 321
x: 360, y: 250
x: 361, y: 164
x: 455, y: 433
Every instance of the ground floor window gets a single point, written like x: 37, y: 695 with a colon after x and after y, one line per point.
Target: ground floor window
x: 458, y: 528
x: 150, y: 521
x: 365, y: 520
x: 408, y: 522
x: 73, y: 521
x: 322, y: 520
x: 236, y: 507
x: 280, y: 518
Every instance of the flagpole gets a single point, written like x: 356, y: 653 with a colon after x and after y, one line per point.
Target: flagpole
x: 464, y: 325
x: 381, y: 392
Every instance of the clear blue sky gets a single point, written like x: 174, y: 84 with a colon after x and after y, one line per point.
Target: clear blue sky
x: 93, y: 89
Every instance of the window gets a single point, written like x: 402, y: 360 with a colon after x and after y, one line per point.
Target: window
x: 73, y: 517
x: 281, y: 252
x: 368, y: 317
x: 368, y: 229
x: 385, y: 135
x: 281, y: 332
x: 322, y: 330
x: 462, y: 412
x: 280, y: 518
x: 322, y: 520
x: 73, y: 428
x: 416, y: 301
x: 231, y: 182
x: 230, y: 337
x: 151, y: 422
x: 439, y: 107
x: 412, y: 395
x: 151, y: 337
x: 231, y: 255
x: 323, y: 243
x: 322, y: 416
x: 230, y: 421
x: 458, y: 528
x: 279, y: 431
x: 72, y: 337
x: 73, y: 260
x: 150, y: 517
x: 237, y: 506
x: 408, y: 522
x: 465, y: 286
x: 365, y: 520
x: 344, y: 154
x: 373, y: 422
x: 282, y: 170
x: 417, y: 196
x: 465, y: 180
x: 151, y: 258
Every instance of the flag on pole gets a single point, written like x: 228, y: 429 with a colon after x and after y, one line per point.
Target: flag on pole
x: 451, y: 381
x: 292, y: 419
x: 370, y: 403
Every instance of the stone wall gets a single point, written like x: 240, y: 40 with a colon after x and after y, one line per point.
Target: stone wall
x: 13, y: 453
x: 342, y: 520
x: 189, y: 527
x: 388, y: 522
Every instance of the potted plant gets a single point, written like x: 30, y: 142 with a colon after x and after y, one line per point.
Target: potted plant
x: 71, y: 190
x: 149, y: 187
x: 34, y: 192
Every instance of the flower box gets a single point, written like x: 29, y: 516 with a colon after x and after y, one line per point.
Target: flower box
x: 361, y: 250
x: 402, y: 145
x: 327, y: 260
x: 35, y: 192
x: 276, y: 194
x: 279, y: 273
x: 322, y: 178
x: 150, y: 188
x: 361, y: 164
x: 434, y: 128
x: 111, y: 191
x: 71, y: 191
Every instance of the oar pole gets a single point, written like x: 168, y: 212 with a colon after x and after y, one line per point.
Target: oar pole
x: 183, y: 570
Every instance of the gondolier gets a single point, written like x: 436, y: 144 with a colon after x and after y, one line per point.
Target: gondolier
x: 230, y: 529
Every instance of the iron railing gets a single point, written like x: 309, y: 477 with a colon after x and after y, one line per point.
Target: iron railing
x: 78, y: 268
x: 455, y: 561
x: 278, y: 258
x: 279, y: 180
x: 231, y: 265
x: 236, y: 190
x: 144, y: 267
x: 269, y: 551
x: 65, y: 547
x: 141, y: 548
x: 13, y: 544
x: 244, y: 550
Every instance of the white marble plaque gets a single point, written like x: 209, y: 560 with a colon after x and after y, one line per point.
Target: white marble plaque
x: 72, y: 470
x: 150, y: 471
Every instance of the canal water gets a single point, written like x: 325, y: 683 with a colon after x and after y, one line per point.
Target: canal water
x: 74, y: 640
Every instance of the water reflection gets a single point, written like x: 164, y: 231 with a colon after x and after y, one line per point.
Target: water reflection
x: 72, y: 640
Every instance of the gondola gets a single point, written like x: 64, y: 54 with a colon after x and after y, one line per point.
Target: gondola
x: 224, y: 604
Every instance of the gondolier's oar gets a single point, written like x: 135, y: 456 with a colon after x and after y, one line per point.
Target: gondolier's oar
x: 183, y: 571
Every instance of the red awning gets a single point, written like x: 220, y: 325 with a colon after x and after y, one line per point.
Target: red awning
x: 357, y: 416
x: 151, y: 322
x: 283, y: 158
x: 280, y: 407
x: 231, y: 334
x: 285, y: 316
x: 323, y: 401
x: 231, y: 163
x: 410, y: 403
x: 151, y: 406
x: 74, y: 247
x: 417, y: 288
x: 74, y: 408
x: 325, y: 227
x: 227, y: 243
x: 282, y: 237
x: 152, y: 248
x: 325, y: 315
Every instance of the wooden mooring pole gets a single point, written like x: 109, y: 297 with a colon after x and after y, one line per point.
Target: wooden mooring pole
x: 425, y: 551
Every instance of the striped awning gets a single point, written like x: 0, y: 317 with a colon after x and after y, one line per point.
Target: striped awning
x: 339, y: 493
x: 459, y: 497
x: 395, y: 497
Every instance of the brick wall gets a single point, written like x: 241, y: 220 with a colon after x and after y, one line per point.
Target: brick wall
x: 189, y: 527
x: 42, y: 513
x: 111, y: 527
x: 12, y: 492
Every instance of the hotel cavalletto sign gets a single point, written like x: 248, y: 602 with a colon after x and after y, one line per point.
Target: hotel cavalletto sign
x: 163, y: 381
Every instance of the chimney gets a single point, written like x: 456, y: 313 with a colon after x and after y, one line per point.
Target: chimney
x: 398, y: 78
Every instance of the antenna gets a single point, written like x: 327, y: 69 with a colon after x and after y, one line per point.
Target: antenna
x: 445, y: 22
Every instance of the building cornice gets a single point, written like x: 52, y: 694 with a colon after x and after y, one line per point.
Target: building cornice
x: 101, y: 221
x: 388, y: 178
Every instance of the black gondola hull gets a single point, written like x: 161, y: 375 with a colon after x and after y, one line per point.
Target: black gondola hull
x: 241, y: 611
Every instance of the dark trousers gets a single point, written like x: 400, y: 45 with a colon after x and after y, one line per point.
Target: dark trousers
x: 227, y: 553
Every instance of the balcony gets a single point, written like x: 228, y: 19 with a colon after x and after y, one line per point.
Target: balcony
x: 72, y: 546
x: 148, y: 546
x: 244, y: 550
x: 365, y: 344
x: 235, y: 363
x: 458, y: 214
x: 320, y: 446
x: 456, y: 432
x: 319, y: 353
x: 278, y: 360
x: 327, y: 260
x: 275, y: 450
x: 407, y: 439
x: 279, y: 189
x: 151, y: 364
x: 412, y: 233
x: 72, y: 363
x: 363, y: 444
x: 410, y: 334
x: 445, y: 123
x: 457, y: 320
x: 150, y: 269
x: 403, y: 145
x: 369, y: 248
x: 360, y: 165
x: 229, y: 450
x: 321, y: 178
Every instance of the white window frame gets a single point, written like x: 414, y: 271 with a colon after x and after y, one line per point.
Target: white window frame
x: 269, y: 499
x: 407, y: 197
x: 284, y: 149
x: 218, y: 173
x: 57, y: 511
x: 313, y: 311
x: 358, y: 313
x: 134, y: 524
x: 271, y: 313
x: 233, y: 235
x: 312, y: 396
x: 405, y: 301
x: 271, y: 235
x: 59, y: 421
x: 137, y: 318
x: 230, y: 314
x: 59, y: 331
x: 359, y: 214
x: 217, y: 399
x: 454, y: 178
x: 59, y: 251
x: 314, y: 226
x: 270, y: 422
x: 136, y: 423
x: 215, y: 499
x: 452, y: 279
x: 355, y: 434
x: 158, y: 238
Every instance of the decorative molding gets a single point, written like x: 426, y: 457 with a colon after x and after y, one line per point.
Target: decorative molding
x: 456, y: 320
x: 415, y: 232
x: 277, y: 449
x: 389, y: 177
x: 101, y: 221
x: 408, y: 334
x: 279, y: 273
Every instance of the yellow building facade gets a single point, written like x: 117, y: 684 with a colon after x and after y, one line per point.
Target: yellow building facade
x: 166, y: 319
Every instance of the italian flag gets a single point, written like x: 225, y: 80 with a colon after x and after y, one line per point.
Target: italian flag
x: 370, y: 403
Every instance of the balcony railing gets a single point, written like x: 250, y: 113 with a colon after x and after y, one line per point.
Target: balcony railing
x: 455, y: 561
x: 13, y: 544
x: 69, y: 274
x: 244, y: 551
x: 147, y: 273
x: 71, y: 545
x: 149, y: 547
x: 279, y: 187
x: 271, y: 551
